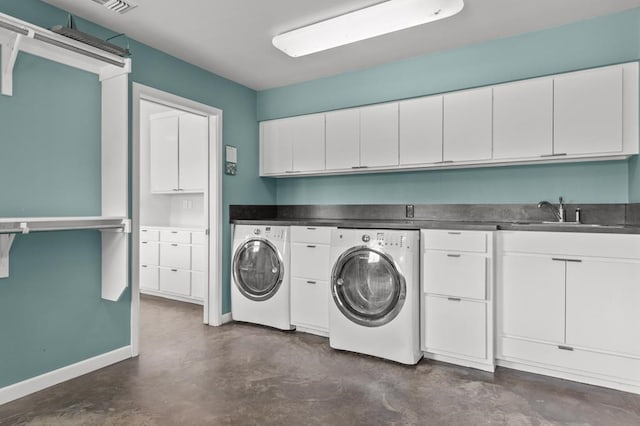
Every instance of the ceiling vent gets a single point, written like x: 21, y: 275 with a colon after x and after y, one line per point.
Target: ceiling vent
x: 119, y: 6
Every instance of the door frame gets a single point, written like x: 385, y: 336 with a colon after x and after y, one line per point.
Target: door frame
x: 212, y: 311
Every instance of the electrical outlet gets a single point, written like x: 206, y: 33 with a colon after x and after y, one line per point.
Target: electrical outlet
x: 409, y: 209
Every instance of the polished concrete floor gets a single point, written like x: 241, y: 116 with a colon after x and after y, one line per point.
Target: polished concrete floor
x: 241, y: 374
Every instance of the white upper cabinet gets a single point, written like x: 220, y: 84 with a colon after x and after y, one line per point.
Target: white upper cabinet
x: 193, y: 148
x: 164, y: 154
x: 578, y: 116
x: 379, y: 135
x: 523, y: 119
x: 276, y: 152
x: 421, y: 131
x: 178, y: 153
x: 468, y: 125
x: 306, y: 134
x: 588, y: 111
x: 343, y: 139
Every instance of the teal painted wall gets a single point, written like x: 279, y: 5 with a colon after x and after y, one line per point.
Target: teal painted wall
x: 596, y: 42
x: 51, y: 314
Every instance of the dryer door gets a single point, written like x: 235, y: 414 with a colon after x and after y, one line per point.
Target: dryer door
x: 367, y: 286
x: 258, y: 269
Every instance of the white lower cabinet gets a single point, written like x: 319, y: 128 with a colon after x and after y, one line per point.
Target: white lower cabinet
x: 173, y: 263
x: 457, y: 286
x: 569, y: 308
x: 310, y: 276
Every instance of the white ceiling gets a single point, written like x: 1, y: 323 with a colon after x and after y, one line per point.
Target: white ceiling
x: 232, y: 38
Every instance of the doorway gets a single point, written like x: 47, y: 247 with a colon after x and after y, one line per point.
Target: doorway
x: 177, y: 203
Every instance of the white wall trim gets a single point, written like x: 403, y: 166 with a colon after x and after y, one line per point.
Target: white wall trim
x: 38, y: 383
x: 226, y: 318
x: 213, y: 299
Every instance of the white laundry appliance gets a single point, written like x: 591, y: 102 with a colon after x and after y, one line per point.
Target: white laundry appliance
x: 374, y: 306
x: 260, y: 276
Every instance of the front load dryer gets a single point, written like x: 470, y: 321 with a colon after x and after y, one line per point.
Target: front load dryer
x: 374, y: 306
x: 260, y: 276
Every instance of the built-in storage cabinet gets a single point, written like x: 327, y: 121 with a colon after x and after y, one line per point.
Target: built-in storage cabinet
x: 420, y: 131
x: 467, y: 125
x: 588, y: 112
x: 583, y: 115
x: 523, y: 119
x: 568, y: 306
x: 173, y: 263
x: 310, y: 275
x: 379, y: 135
x: 457, y: 288
x: 178, y: 153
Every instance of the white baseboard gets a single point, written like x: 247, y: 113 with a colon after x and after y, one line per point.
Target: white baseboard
x: 226, y: 318
x: 38, y: 383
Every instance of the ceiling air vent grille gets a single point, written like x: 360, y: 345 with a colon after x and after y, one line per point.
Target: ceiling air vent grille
x: 119, y: 6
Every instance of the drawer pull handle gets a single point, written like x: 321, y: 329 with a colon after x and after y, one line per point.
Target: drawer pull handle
x: 144, y: 266
x: 143, y: 230
x: 174, y: 245
x: 560, y: 259
x: 311, y: 282
x: 312, y: 229
x: 454, y: 255
x: 145, y: 242
x: 454, y: 299
x: 311, y: 246
x: 174, y: 270
x: 174, y: 232
x: 565, y: 348
x: 454, y: 233
x: 559, y: 154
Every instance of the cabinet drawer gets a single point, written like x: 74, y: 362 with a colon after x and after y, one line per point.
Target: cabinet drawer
x: 576, y: 360
x: 455, y: 240
x: 175, y: 237
x: 199, y: 238
x: 310, y: 234
x: 455, y: 274
x: 175, y: 281
x: 199, y: 258
x: 198, y: 284
x: 149, y: 253
x: 175, y: 256
x: 455, y: 327
x: 149, y: 277
x: 310, y: 303
x: 149, y: 235
x: 310, y: 261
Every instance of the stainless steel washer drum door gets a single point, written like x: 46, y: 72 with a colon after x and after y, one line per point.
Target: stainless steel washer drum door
x: 258, y: 269
x: 367, y: 286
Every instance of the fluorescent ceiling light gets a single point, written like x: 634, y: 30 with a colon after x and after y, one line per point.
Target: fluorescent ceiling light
x: 379, y: 19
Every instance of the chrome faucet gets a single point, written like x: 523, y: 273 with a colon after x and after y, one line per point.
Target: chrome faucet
x: 559, y: 212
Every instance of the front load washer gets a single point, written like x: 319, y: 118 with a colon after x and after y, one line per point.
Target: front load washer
x: 374, y: 306
x: 260, y: 276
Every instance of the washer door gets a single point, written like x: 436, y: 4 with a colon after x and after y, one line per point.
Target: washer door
x: 367, y: 286
x: 258, y: 269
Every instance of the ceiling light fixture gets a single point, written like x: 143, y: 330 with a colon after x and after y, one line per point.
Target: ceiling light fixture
x: 372, y: 21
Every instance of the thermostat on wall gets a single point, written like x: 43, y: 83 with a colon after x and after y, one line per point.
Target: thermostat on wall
x: 231, y: 160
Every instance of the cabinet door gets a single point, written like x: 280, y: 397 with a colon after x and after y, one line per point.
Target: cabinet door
x: 149, y: 277
x: 523, y: 119
x: 276, y: 151
x: 603, y: 300
x: 343, y: 139
x: 379, y: 135
x: 421, y: 131
x: 175, y: 281
x: 194, y: 153
x: 163, y: 134
x: 455, y: 326
x: 306, y: 136
x: 310, y: 303
x: 533, y: 295
x: 468, y: 125
x: 588, y: 112
x: 310, y: 261
x: 198, y: 285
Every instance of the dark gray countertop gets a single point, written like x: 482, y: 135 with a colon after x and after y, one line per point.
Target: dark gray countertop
x: 439, y: 224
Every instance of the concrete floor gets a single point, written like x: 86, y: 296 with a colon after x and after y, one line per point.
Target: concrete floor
x: 241, y: 374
